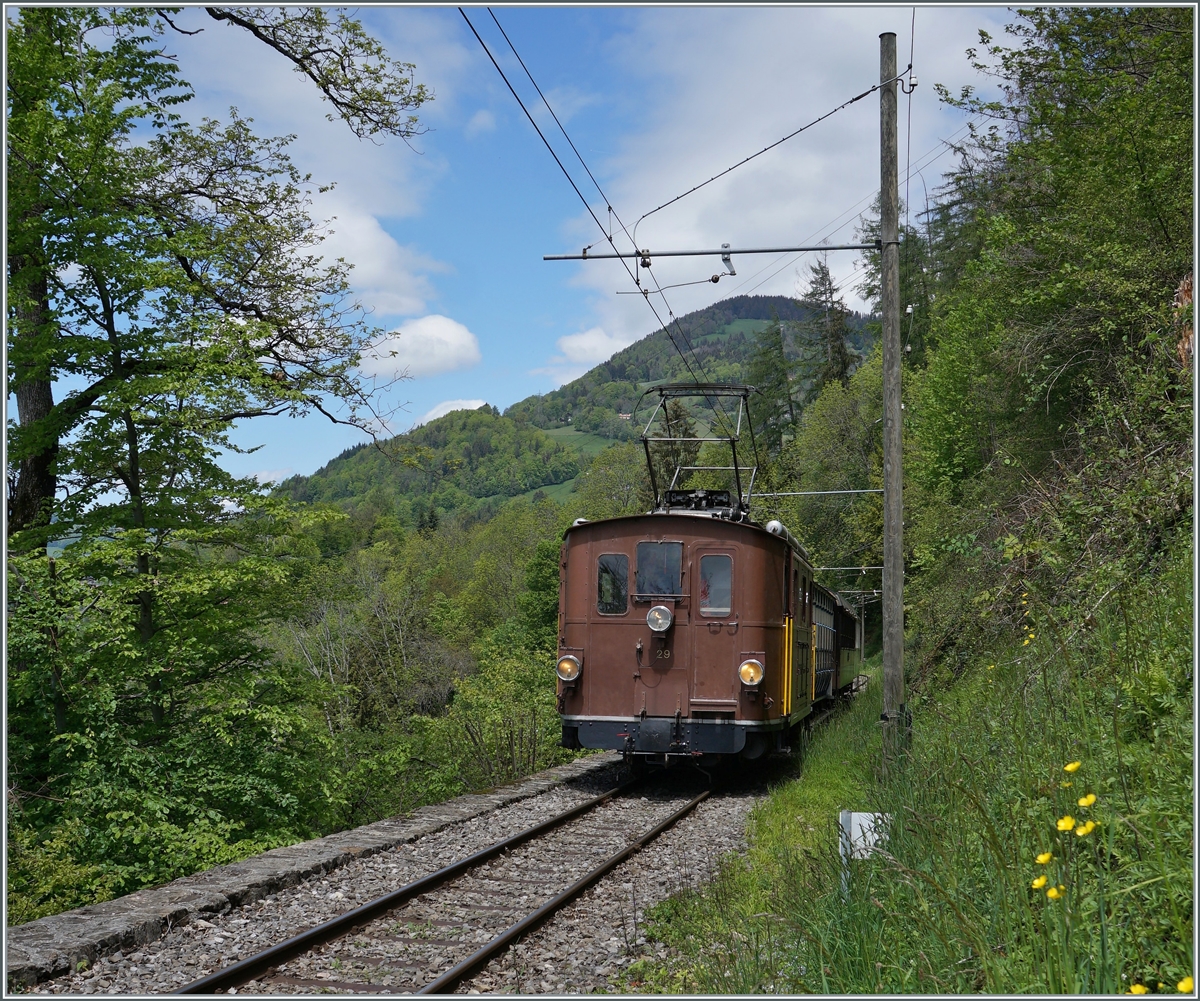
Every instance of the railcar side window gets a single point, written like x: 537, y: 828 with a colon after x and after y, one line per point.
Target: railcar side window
x: 658, y: 568
x: 612, y: 584
x: 716, y: 585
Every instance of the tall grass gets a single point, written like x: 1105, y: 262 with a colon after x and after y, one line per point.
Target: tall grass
x: 957, y: 900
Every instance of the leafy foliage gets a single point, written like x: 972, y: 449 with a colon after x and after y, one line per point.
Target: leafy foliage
x: 371, y: 92
x: 615, y: 483
x: 773, y: 409
x: 173, y: 277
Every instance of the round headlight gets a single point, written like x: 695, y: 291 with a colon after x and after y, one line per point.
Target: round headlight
x: 751, y: 672
x: 659, y: 618
x: 568, y: 668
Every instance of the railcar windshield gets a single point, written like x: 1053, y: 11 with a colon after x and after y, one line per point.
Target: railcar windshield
x: 658, y: 569
x: 612, y: 584
x: 716, y: 585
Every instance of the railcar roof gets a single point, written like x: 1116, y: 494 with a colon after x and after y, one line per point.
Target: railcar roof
x: 716, y: 516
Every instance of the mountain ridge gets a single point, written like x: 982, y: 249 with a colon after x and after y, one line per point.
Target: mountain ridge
x: 718, y: 340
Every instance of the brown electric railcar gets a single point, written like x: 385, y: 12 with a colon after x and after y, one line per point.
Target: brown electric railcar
x: 692, y: 631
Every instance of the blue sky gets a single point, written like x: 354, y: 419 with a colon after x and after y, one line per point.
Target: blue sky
x: 447, y: 236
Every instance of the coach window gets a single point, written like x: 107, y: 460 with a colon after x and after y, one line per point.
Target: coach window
x: 716, y: 585
x: 612, y: 584
x: 658, y: 569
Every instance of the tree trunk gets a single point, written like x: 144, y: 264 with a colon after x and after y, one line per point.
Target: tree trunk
x: 31, y: 500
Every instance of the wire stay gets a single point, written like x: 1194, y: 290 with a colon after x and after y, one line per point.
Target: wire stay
x: 777, y: 142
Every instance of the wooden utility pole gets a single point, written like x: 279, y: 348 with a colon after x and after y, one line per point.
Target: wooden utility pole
x: 893, y: 506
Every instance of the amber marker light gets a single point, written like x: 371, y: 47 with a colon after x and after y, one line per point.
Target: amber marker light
x: 751, y: 672
x: 568, y: 668
x: 659, y: 618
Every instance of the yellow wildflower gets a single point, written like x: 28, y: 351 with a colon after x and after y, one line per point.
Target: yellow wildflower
x: 1088, y: 800
x: 1083, y: 830
x: 1025, y: 595
x: 991, y: 667
x: 1038, y: 883
x: 1031, y: 635
x: 1066, y: 823
x: 1186, y: 985
x: 1045, y: 857
x: 1139, y: 989
x: 1026, y: 643
x: 1054, y: 893
x: 1072, y: 766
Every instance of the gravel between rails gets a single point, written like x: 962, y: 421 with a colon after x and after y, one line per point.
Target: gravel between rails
x: 585, y: 947
x: 418, y: 941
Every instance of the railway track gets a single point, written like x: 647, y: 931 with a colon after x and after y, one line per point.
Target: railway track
x: 431, y: 934
x: 434, y: 933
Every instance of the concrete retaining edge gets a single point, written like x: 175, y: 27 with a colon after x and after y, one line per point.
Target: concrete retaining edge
x: 51, y: 946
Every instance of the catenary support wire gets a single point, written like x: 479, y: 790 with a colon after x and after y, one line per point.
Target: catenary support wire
x: 766, y: 149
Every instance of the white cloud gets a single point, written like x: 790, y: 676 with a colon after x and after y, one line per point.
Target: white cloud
x: 583, y: 351
x: 567, y: 102
x: 592, y: 346
x: 448, y: 407
x: 387, y: 277
x: 429, y: 345
x: 482, y: 121
x: 273, y: 475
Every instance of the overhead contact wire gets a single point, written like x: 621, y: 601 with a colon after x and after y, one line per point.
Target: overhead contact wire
x: 920, y: 166
x: 608, y: 204
x: 567, y: 175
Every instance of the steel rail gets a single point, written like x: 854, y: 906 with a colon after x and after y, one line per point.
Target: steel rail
x: 252, y: 967
x: 452, y: 977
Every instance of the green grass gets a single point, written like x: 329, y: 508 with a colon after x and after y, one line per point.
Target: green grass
x: 955, y: 903
x: 723, y: 932
x: 581, y: 442
x: 746, y: 326
x: 558, y: 492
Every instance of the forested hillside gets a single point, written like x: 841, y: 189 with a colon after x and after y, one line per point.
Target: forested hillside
x: 720, y: 340
x: 449, y: 464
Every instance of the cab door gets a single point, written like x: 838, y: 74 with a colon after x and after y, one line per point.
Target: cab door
x: 661, y: 681
x: 715, y: 626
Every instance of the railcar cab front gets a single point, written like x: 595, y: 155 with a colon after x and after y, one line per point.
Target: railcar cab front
x: 684, y: 632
